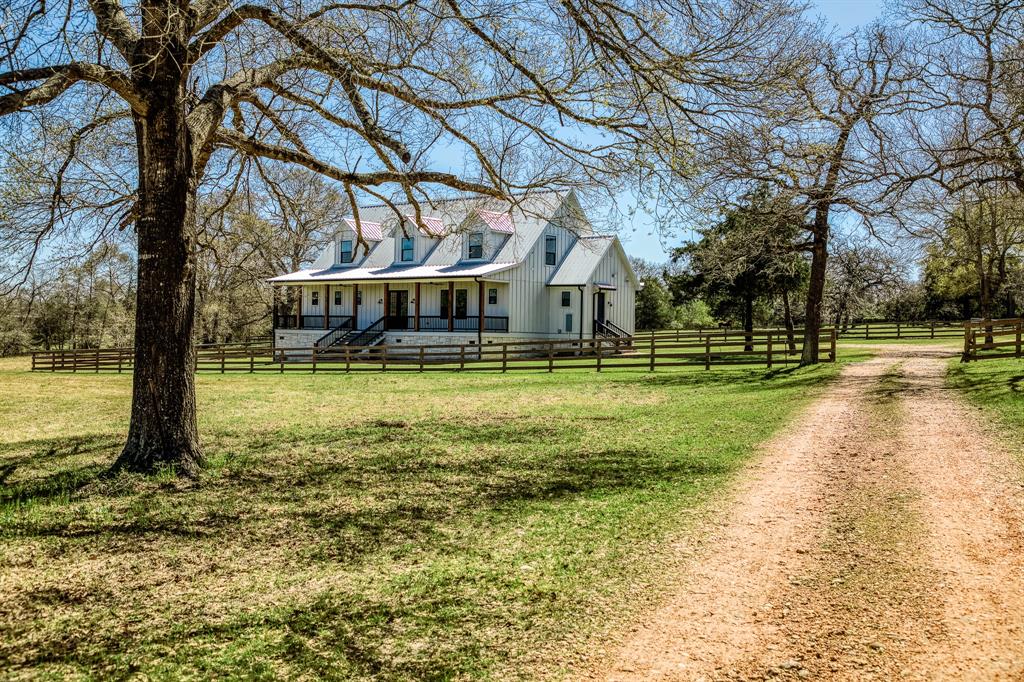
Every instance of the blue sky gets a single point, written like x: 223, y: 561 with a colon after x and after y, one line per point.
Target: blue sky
x: 640, y: 239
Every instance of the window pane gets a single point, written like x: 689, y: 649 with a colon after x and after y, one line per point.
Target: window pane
x: 346, y: 251
x: 476, y: 245
x: 461, y: 303
x: 444, y: 303
x: 550, y: 250
x: 492, y: 296
x: 337, y: 297
x: 566, y: 299
x: 315, y: 298
x: 407, y: 249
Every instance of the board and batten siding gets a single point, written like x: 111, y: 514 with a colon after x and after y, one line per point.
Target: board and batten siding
x: 621, y: 302
x: 528, y: 291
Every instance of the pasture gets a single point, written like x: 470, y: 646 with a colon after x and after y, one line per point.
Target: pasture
x: 396, y: 526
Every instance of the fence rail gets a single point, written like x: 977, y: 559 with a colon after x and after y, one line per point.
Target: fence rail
x: 769, y: 348
x: 887, y: 331
x: 992, y: 339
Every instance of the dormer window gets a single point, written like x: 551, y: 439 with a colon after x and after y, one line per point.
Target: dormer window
x: 476, y: 245
x: 408, y: 249
x: 550, y: 250
x: 346, y: 251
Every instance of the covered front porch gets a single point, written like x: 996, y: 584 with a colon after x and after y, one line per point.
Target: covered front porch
x: 474, y: 305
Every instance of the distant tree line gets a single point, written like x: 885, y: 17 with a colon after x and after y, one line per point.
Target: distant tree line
x: 273, y: 225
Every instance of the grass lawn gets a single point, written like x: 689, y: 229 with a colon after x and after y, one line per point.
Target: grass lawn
x: 997, y: 386
x: 375, y: 525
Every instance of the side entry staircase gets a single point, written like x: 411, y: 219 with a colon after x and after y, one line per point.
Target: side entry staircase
x: 346, y: 334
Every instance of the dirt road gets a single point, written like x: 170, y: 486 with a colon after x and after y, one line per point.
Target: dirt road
x: 879, y: 538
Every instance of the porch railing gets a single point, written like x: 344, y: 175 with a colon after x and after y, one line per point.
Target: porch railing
x: 428, y: 323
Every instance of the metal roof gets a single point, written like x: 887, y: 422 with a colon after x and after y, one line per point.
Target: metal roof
x: 373, y: 232
x: 530, y: 217
x: 498, y: 222
x: 391, y: 273
x: 579, y: 264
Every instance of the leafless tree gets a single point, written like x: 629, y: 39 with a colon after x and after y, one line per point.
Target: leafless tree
x: 823, y: 146
x: 972, y: 129
x: 368, y: 94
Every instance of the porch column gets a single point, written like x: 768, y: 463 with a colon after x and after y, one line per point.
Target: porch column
x: 298, y: 307
x: 327, y: 306
x: 480, y: 308
x: 416, y: 324
x: 387, y: 304
x: 273, y: 305
x: 355, y: 306
x: 451, y: 306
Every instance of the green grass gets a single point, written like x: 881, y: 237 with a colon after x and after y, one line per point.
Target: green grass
x: 389, y: 526
x: 997, y: 386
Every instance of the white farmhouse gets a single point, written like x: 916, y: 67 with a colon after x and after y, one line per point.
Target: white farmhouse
x: 469, y: 271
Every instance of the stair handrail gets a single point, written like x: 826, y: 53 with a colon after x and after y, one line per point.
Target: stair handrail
x: 371, y: 332
x: 334, y: 335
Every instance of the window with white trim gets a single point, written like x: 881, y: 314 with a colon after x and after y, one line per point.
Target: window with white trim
x: 566, y: 299
x: 476, y: 245
x: 408, y: 248
x: 492, y: 297
x: 314, y: 298
x: 346, y: 250
x: 550, y: 250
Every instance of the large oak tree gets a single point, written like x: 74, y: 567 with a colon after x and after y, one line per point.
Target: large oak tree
x: 379, y: 97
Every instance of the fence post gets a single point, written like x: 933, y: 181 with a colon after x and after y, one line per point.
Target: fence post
x: 504, y: 357
x: 897, y: 329
x: 654, y: 350
x: 867, y: 327
x: 252, y: 360
x: 599, y: 354
x: 222, y: 360
x: 314, y: 360
x: 967, y: 341
x: 120, y: 359
x: 832, y: 346
x: 462, y: 357
x: 769, y: 350
x: 551, y: 356
x: 933, y: 329
x: 384, y: 358
x: 421, y: 359
x: 707, y: 352
x: 96, y: 360
x: 348, y: 359
x: 1017, y: 326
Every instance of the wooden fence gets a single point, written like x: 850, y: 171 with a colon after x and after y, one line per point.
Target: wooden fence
x: 888, y: 331
x: 770, y: 348
x: 992, y: 339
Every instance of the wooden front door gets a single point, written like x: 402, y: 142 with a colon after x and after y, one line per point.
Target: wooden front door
x: 599, y: 307
x: 398, y: 309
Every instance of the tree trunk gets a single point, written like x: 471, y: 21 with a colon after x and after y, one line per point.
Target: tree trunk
x: 163, y: 430
x: 787, y: 317
x: 815, y: 288
x: 748, y: 322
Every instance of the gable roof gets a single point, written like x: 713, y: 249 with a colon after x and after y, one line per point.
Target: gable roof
x: 431, y: 226
x: 498, y: 222
x: 529, y: 218
x: 579, y: 264
x: 373, y: 232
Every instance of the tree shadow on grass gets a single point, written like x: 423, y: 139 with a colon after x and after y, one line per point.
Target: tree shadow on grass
x: 335, y: 634
x: 54, y: 459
